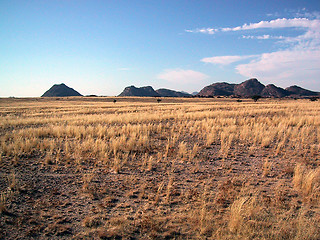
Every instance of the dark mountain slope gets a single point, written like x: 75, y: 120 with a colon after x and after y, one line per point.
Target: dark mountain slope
x: 248, y: 88
x: 133, y: 91
x: 218, y: 89
x: 61, y: 90
x: 273, y: 91
x: 299, y: 91
x: 171, y: 93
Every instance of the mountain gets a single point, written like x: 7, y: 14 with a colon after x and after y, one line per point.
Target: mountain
x: 299, y: 91
x: 253, y: 87
x: 150, y: 92
x: 171, y: 93
x: 218, y: 89
x: 273, y: 91
x: 61, y: 90
x: 133, y: 91
x: 248, y: 88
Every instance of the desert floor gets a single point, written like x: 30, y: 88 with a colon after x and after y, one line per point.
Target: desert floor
x: 89, y: 168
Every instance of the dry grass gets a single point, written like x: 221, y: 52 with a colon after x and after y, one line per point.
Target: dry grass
x: 307, y: 181
x: 4, y: 196
x: 266, y: 168
x: 180, y: 169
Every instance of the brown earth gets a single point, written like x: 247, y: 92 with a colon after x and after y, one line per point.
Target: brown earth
x: 168, y: 196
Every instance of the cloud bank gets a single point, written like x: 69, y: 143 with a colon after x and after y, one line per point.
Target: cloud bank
x: 277, y: 23
x: 298, y: 62
x: 273, y: 24
x: 300, y: 66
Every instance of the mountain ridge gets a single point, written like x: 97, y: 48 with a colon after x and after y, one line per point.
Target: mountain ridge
x: 252, y: 87
x: 248, y: 88
x: 299, y: 91
x: 172, y: 93
x: 148, y: 91
x: 133, y: 91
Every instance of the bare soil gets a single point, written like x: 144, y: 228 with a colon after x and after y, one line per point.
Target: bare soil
x: 177, y: 198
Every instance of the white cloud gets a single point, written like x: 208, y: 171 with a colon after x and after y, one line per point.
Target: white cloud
x: 203, y: 30
x: 303, y: 23
x: 267, y: 36
x: 278, y: 23
x: 304, y: 13
x: 182, y: 76
x: 225, y: 60
x: 285, y: 68
x: 263, y: 37
x: 298, y: 62
x: 310, y: 38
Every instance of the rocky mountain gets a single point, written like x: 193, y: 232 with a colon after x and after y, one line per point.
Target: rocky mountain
x: 171, y: 93
x: 273, y: 91
x: 61, y: 90
x: 253, y: 87
x: 150, y: 92
x: 133, y: 91
x: 218, y: 89
x: 248, y: 88
x: 299, y: 91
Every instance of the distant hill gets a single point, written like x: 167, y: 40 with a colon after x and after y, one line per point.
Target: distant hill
x: 253, y: 87
x: 150, y: 92
x: 133, y: 91
x: 273, y: 91
x: 248, y: 88
x: 218, y: 89
x: 299, y: 91
x: 171, y: 93
x: 61, y: 90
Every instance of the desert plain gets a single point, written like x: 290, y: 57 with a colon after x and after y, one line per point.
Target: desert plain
x: 179, y: 168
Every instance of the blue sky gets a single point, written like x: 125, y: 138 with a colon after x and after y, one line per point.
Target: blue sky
x: 100, y: 47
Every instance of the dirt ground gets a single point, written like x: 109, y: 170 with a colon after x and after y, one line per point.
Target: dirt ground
x: 167, y: 196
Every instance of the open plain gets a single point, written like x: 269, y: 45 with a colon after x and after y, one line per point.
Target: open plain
x: 182, y: 168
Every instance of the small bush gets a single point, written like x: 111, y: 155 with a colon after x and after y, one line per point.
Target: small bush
x: 256, y: 97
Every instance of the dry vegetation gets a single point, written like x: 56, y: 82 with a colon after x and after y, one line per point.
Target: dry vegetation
x: 181, y: 169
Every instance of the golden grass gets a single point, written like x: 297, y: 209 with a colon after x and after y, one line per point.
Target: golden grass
x: 182, y: 168
x: 307, y: 181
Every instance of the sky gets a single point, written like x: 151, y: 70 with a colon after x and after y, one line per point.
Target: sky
x: 100, y: 47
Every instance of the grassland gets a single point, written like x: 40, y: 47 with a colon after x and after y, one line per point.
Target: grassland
x: 89, y: 168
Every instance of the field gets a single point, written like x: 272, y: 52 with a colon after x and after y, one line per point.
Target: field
x: 89, y: 168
